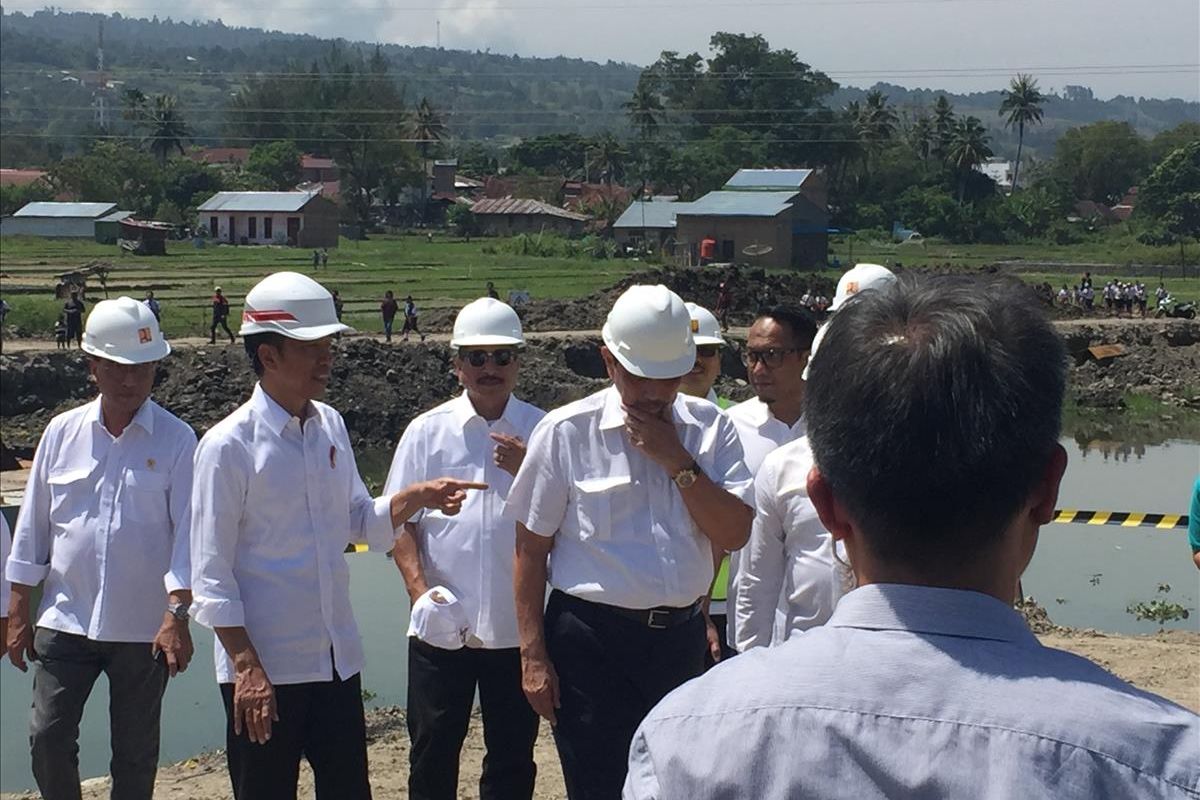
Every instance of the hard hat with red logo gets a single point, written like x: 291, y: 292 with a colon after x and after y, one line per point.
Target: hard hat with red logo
x: 292, y: 305
x: 125, y: 331
x: 859, y: 278
x: 705, y: 327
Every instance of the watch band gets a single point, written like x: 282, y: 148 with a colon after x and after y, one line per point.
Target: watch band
x: 179, y: 611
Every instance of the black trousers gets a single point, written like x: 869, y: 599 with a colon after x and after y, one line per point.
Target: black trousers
x: 441, y: 692
x: 324, y: 723
x: 611, y: 671
x: 212, y: 331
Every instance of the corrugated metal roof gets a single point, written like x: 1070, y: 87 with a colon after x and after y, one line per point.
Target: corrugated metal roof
x: 769, y: 179
x: 656, y: 215
x: 283, y: 202
x: 740, y: 204
x: 49, y: 209
x: 509, y: 205
x: 116, y: 216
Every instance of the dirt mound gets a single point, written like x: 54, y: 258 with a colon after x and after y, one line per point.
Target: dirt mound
x: 1161, y: 361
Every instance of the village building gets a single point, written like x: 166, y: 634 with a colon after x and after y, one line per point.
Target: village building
x: 999, y: 170
x: 763, y: 217
x: 300, y: 219
x: 509, y: 216
x: 649, y: 225
x: 57, y: 220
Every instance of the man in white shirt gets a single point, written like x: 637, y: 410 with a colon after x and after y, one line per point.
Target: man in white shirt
x: 276, y: 498
x: 776, y: 353
x: 478, y: 436
x: 619, y: 503
x: 104, y: 526
x: 5, y: 586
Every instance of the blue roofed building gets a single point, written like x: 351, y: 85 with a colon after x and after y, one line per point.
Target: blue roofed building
x: 649, y: 225
x: 57, y: 220
x: 301, y: 219
x: 762, y: 217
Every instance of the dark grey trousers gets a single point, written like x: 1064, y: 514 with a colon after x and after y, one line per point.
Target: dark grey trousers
x: 63, y: 675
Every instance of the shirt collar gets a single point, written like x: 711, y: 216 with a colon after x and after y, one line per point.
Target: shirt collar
x: 930, y: 610
x: 144, y: 418
x: 464, y: 410
x: 711, y: 396
x: 276, y: 416
x: 611, y: 416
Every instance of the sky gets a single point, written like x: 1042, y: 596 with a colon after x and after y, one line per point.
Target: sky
x: 1149, y: 48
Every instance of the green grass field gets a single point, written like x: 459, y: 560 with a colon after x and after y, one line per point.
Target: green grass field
x: 438, y: 274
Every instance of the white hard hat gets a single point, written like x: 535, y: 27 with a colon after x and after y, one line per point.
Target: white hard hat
x: 486, y: 321
x: 705, y: 328
x: 812, y: 351
x: 439, y: 619
x: 293, y: 305
x: 649, y: 332
x: 858, y: 279
x: 124, y: 330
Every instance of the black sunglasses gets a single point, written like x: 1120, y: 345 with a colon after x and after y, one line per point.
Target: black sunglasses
x: 772, y: 356
x: 502, y: 358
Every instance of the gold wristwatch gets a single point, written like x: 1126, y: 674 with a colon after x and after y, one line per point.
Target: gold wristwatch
x: 686, y: 476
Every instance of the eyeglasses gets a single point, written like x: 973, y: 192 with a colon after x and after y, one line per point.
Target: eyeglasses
x: 502, y: 358
x: 771, y: 357
x: 707, y: 350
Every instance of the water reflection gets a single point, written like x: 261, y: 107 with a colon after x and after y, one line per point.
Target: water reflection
x: 1117, y: 451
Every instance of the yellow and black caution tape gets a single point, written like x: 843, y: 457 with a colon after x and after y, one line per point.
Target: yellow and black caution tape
x: 1125, y: 519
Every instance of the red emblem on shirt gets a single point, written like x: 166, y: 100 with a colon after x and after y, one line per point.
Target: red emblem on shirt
x: 144, y: 335
x: 332, y: 457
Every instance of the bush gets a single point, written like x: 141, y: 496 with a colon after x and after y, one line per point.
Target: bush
x: 32, y: 316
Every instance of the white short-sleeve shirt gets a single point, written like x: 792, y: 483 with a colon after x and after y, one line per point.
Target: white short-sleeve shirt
x: 624, y: 535
x: 471, y: 553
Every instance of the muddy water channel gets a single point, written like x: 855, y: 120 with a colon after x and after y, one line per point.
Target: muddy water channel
x: 1084, y: 575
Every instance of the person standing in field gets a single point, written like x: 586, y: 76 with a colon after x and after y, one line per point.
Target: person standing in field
x: 480, y: 436
x: 410, y: 319
x: 153, y: 305
x: 724, y: 302
x: 324, y: 258
x: 104, y: 530
x: 73, y: 311
x: 220, y: 316
x: 388, y: 309
x: 276, y: 498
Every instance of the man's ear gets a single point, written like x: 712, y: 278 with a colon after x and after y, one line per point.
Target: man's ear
x: 270, y: 357
x: 1045, y: 493
x: 833, y: 516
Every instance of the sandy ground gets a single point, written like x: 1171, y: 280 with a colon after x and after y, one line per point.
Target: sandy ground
x: 1165, y: 663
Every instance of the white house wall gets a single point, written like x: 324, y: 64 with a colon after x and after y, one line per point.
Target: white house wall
x: 242, y: 226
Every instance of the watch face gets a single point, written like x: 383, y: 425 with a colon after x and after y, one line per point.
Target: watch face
x: 685, y: 479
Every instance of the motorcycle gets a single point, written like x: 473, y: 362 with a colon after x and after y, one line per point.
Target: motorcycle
x: 1167, y: 307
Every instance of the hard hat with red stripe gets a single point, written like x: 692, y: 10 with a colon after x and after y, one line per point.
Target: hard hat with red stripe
x: 292, y: 305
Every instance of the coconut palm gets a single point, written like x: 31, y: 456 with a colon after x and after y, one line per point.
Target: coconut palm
x: 968, y: 148
x: 644, y: 109
x: 1022, y: 104
x: 943, y: 125
x: 426, y: 126
x: 607, y: 156
x: 166, y: 128
x: 921, y: 136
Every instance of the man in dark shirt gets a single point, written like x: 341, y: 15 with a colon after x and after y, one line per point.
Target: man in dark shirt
x: 220, y: 313
x: 73, y: 310
x: 388, y: 309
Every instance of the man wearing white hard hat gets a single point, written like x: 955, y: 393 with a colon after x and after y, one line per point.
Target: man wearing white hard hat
x: 478, y: 436
x: 787, y: 578
x: 104, y: 528
x: 619, y: 503
x: 276, y: 499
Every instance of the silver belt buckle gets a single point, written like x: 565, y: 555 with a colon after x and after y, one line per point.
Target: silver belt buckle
x: 653, y: 616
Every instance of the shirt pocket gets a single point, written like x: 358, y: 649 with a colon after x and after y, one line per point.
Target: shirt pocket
x: 145, y: 497
x: 438, y: 523
x: 595, y: 500
x: 65, y: 483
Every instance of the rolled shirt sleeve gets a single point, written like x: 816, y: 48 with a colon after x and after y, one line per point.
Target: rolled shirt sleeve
x: 29, y: 562
x: 760, y: 577
x: 541, y: 490
x: 179, y: 574
x: 218, y: 496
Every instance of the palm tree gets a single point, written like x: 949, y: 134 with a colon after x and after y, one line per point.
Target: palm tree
x: 968, y: 148
x: 1023, y: 104
x: 427, y: 127
x: 943, y: 125
x: 608, y: 158
x: 644, y: 109
x: 166, y: 127
x: 921, y: 136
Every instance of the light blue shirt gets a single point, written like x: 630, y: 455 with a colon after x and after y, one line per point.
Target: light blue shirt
x: 913, y: 692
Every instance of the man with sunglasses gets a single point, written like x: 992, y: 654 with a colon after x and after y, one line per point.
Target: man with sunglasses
x: 619, y: 505
x: 478, y: 436
x: 776, y: 353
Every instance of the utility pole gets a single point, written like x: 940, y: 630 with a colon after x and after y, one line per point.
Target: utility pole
x: 100, y: 91
x: 439, y: 34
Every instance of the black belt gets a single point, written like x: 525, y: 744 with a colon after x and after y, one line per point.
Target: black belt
x: 658, y: 618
